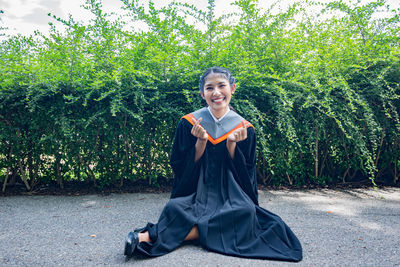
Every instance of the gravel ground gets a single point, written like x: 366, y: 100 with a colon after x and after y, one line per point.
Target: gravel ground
x: 355, y: 227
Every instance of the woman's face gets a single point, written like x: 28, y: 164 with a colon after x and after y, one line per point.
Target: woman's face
x: 217, y: 93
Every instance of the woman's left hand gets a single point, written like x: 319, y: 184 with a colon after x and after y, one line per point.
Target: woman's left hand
x: 238, y: 135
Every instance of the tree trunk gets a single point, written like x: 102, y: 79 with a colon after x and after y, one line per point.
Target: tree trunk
x: 323, y: 162
x: 30, y: 164
x: 345, y: 174
x: 316, y: 163
x: 35, y: 173
x: 5, y: 181
x: 59, y: 177
x: 347, y: 159
x: 23, y: 176
x: 289, y: 179
x: 78, y: 171
x: 9, y: 170
x: 379, y: 151
x: 395, y: 172
x: 287, y: 175
x: 121, y: 182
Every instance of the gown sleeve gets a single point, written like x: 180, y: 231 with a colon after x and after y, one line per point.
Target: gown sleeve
x: 243, y: 165
x: 186, y: 171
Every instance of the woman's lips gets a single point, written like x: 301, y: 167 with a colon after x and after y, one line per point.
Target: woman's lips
x: 218, y: 100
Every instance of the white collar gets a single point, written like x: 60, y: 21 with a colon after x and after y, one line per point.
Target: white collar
x: 220, y: 119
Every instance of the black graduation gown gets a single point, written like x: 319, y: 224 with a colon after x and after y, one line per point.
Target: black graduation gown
x: 219, y: 195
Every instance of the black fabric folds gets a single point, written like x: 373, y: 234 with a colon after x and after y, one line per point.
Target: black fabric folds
x: 219, y: 195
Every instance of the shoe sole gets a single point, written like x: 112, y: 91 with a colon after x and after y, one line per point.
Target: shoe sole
x: 127, y: 244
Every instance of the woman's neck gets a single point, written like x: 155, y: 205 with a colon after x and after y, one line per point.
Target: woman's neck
x: 218, y: 113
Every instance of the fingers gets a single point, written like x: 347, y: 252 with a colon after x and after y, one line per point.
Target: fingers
x: 241, y: 133
x: 196, y: 122
x: 244, y: 129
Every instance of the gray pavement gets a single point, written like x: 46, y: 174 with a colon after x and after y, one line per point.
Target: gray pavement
x: 357, y: 227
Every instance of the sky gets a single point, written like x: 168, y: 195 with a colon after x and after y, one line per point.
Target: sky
x: 26, y: 16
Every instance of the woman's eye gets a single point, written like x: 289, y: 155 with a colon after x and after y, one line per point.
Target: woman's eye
x: 209, y: 88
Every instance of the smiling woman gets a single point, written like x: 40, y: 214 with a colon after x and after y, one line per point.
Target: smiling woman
x: 214, y: 197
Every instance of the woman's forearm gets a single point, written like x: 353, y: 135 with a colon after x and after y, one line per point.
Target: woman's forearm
x: 200, y: 147
x: 231, y: 148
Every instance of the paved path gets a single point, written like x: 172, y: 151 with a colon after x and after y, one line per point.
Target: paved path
x: 359, y: 227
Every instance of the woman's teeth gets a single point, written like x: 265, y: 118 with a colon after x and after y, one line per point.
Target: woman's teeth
x: 218, y: 100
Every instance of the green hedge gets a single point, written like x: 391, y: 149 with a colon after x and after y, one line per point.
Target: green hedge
x: 99, y: 102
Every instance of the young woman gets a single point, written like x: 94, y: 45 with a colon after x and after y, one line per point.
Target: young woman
x: 214, y: 196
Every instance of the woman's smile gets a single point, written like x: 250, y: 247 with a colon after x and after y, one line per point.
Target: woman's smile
x: 218, y: 100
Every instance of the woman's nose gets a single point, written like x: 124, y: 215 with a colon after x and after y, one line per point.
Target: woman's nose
x: 216, y: 91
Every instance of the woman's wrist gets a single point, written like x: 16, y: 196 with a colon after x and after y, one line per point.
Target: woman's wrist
x: 231, y: 145
x: 201, y: 140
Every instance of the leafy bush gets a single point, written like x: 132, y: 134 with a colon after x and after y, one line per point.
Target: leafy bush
x: 99, y: 102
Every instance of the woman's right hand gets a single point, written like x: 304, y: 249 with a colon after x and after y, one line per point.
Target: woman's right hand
x: 198, y: 131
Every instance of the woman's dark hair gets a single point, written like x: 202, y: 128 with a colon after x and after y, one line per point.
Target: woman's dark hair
x: 218, y: 70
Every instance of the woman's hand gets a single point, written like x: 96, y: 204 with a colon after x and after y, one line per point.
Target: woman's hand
x: 198, y: 131
x: 239, y: 134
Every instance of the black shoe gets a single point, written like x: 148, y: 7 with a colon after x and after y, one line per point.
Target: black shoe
x: 131, y: 242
